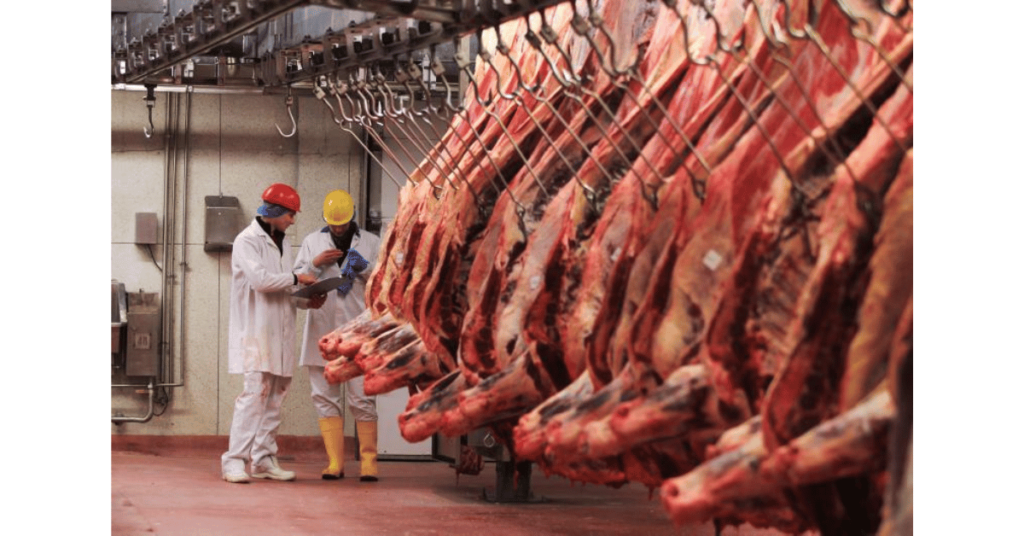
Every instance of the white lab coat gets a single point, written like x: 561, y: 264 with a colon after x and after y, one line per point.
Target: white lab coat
x: 337, y: 309
x: 261, y: 330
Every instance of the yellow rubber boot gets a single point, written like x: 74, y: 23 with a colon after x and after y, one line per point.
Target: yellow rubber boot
x: 367, y: 432
x: 333, y: 431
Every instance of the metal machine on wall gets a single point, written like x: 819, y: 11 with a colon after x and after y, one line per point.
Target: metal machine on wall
x: 135, y: 341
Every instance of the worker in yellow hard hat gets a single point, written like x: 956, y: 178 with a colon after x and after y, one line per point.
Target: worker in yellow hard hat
x: 339, y: 249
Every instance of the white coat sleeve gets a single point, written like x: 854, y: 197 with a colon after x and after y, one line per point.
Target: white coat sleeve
x: 251, y: 265
x: 304, y: 260
x: 304, y: 265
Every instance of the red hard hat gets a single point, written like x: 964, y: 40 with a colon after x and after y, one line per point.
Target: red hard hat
x: 284, y: 195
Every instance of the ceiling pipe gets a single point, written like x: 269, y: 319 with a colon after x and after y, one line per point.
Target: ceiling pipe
x: 213, y: 90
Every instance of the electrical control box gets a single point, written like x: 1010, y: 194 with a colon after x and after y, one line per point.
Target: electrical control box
x: 223, y: 222
x: 142, y: 352
x: 145, y: 228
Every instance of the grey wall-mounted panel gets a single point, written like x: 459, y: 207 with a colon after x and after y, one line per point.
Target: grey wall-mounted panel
x: 223, y: 218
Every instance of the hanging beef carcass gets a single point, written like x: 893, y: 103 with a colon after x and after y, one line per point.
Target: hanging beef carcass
x: 418, y: 201
x: 440, y: 312
x: 599, y: 300
x: 516, y: 211
x: 847, y: 445
x: 653, y: 456
x: 778, y: 467
x: 479, y: 256
x: 436, y: 219
x: 727, y: 334
x: 898, y: 507
x: 546, y: 275
x: 431, y: 290
x: 633, y: 351
x: 789, y: 411
x: 389, y: 352
x: 531, y: 434
x: 411, y: 364
x: 696, y: 125
x: 348, y: 338
x: 455, y: 219
x: 516, y: 215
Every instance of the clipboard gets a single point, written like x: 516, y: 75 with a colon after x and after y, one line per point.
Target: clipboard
x: 320, y: 287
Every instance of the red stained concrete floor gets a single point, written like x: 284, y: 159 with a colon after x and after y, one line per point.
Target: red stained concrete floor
x: 170, y: 492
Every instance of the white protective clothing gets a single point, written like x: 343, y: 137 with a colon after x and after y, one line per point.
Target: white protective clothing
x: 261, y: 329
x: 261, y: 335
x: 327, y: 397
x: 256, y: 419
x: 336, y: 311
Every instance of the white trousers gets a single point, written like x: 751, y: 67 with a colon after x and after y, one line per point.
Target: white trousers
x: 256, y: 420
x: 327, y: 397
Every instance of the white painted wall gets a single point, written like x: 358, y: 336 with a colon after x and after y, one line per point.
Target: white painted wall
x: 235, y: 151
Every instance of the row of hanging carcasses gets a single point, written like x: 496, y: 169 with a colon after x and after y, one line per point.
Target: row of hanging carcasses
x: 669, y: 244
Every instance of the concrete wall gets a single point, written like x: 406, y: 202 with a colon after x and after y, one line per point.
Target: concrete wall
x: 235, y: 151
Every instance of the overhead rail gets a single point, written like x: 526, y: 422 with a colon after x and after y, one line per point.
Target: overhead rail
x: 401, y: 27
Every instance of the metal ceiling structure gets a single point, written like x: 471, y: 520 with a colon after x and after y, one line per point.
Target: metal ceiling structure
x: 290, y: 43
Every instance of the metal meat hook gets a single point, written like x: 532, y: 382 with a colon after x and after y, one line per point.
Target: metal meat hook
x: 337, y: 92
x: 321, y: 95
x: 150, y: 102
x: 288, y: 104
x: 387, y: 98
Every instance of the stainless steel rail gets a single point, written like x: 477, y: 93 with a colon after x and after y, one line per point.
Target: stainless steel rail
x: 401, y: 28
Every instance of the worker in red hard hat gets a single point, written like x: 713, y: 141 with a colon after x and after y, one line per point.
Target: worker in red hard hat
x: 261, y: 335
x: 342, y: 249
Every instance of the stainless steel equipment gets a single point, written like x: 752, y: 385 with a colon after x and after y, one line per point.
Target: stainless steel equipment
x: 223, y: 215
x: 118, y: 323
x: 142, y: 348
x: 135, y: 344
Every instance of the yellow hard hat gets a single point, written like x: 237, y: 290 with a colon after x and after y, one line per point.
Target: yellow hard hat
x: 338, y: 208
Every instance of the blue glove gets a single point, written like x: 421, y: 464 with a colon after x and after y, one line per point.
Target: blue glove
x: 354, y: 264
x: 345, y: 287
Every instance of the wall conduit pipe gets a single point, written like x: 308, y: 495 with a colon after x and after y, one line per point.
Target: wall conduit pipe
x: 170, y: 150
x: 184, y: 244
x: 117, y: 419
x: 170, y: 221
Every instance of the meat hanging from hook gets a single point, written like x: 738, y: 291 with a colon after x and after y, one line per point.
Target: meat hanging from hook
x: 728, y: 159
